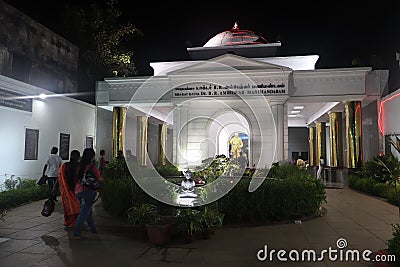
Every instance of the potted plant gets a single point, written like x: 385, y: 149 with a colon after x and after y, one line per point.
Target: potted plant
x: 211, y: 219
x: 141, y: 214
x: 189, y: 224
x: 159, y: 231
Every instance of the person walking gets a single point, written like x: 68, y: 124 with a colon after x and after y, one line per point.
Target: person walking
x: 321, y: 165
x: 67, y: 177
x: 85, y: 195
x: 50, y: 170
x: 102, y: 160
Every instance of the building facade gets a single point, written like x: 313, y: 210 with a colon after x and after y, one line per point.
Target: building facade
x: 238, y: 83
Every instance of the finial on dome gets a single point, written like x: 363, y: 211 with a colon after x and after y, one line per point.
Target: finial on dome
x: 235, y: 26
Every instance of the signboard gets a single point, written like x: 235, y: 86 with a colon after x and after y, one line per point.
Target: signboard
x: 14, y: 100
x: 31, y: 144
x: 64, y: 146
x: 89, y: 141
x: 213, y: 90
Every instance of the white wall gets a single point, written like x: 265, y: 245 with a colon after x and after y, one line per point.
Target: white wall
x: 389, y: 113
x: 104, y: 133
x: 388, y: 117
x: 130, y: 134
x: 51, y: 116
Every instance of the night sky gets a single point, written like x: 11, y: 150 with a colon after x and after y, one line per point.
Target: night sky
x: 336, y: 31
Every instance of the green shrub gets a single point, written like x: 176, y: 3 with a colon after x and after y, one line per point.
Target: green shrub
x: 394, y: 242
x: 393, y: 195
x: 26, y: 183
x: 117, y: 195
x: 15, y: 197
x: 374, y: 170
x: 212, y: 168
x: 381, y: 190
x: 292, y: 194
x: 366, y: 185
x: 352, y: 181
x: 10, y: 183
x: 140, y: 214
x: 168, y: 170
x: 120, y: 191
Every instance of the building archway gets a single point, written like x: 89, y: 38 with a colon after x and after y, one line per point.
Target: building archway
x: 223, y: 127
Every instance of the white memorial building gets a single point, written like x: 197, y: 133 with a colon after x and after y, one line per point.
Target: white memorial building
x: 281, y: 106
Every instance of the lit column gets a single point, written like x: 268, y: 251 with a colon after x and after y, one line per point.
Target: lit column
x: 320, y: 135
x: 335, y: 139
x: 181, y: 135
x: 312, y: 146
x: 141, y: 146
x: 162, y: 133
x: 353, y: 133
x: 118, y: 128
x: 278, y: 114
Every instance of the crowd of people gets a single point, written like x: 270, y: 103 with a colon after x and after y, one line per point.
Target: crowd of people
x: 77, y: 199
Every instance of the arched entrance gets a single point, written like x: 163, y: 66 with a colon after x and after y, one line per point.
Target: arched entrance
x: 221, y: 129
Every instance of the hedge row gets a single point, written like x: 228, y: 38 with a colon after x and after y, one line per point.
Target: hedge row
x: 15, y: 197
x: 287, y: 193
x: 375, y: 188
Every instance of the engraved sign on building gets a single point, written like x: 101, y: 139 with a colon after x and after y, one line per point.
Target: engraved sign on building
x: 64, y: 146
x: 213, y: 90
x: 15, y: 100
x: 31, y: 144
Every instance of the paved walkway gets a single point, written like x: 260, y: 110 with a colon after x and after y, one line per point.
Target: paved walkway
x: 29, y: 239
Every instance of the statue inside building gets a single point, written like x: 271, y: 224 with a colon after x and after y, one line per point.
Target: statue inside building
x: 236, y: 145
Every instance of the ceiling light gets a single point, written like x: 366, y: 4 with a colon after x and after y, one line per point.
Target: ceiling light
x: 298, y: 107
x: 42, y: 96
x: 295, y: 111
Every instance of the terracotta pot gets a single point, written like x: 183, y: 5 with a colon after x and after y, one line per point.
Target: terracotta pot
x: 159, y: 234
x: 189, y: 238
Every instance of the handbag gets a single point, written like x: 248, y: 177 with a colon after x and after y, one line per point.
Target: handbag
x: 48, y: 208
x: 90, y: 181
x: 42, y: 180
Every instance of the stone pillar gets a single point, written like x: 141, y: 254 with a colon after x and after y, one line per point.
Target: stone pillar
x: 312, y: 146
x: 141, y: 146
x: 353, y: 112
x: 278, y: 114
x: 181, y: 135
x: 118, y: 128
x: 320, y: 135
x: 335, y: 139
x: 162, y: 155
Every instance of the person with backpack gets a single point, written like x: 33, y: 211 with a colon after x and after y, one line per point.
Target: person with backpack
x: 84, y: 194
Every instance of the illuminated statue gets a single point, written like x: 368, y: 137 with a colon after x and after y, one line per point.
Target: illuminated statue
x: 236, y: 145
x: 187, y: 196
x: 188, y: 184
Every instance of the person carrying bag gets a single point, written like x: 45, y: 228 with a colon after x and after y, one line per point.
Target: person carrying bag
x: 48, y: 207
x: 86, y: 194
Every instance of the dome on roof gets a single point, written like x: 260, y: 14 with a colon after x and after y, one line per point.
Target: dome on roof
x: 235, y: 36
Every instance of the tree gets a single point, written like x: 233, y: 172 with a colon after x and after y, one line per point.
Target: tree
x: 103, y: 38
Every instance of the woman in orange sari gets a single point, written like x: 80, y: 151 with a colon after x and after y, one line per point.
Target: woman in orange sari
x: 66, y: 183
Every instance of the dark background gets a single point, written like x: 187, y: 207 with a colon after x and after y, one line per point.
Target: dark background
x: 338, y: 32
